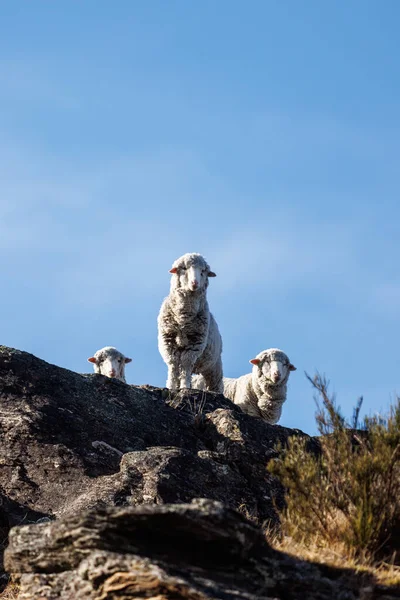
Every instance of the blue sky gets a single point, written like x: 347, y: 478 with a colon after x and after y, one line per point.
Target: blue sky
x: 263, y: 134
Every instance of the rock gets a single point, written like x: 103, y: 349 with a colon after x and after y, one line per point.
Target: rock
x: 103, y: 477
x: 196, y: 551
x: 72, y: 441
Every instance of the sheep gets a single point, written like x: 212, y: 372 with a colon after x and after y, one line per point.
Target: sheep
x: 262, y: 392
x: 110, y: 362
x: 188, y: 337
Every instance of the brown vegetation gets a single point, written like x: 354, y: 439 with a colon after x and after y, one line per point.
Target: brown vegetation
x: 10, y: 592
x: 344, y: 502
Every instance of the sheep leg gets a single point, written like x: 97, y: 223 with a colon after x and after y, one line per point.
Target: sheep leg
x: 186, y: 378
x: 188, y: 360
x: 213, y: 378
x: 173, y: 376
x: 198, y: 382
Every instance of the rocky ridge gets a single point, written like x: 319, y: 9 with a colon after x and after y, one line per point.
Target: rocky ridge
x: 103, y: 484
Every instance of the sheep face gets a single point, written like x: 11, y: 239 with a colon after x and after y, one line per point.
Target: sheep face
x: 110, y: 362
x: 272, y: 366
x: 190, y: 273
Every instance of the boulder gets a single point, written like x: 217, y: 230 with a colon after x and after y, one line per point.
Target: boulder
x: 197, y: 551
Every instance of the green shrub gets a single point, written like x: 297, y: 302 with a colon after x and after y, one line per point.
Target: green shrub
x: 349, y: 494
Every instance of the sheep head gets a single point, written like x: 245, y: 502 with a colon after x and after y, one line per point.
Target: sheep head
x: 190, y: 273
x: 110, y: 362
x: 272, y: 366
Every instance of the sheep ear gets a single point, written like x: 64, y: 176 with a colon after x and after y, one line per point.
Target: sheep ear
x: 128, y: 360
x: 212, y: 274
x: 292, y: 367
x: 92, y: 359
x: 255, y: 361
x: 173, y: 270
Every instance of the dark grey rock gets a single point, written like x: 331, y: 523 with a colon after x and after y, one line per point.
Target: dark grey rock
x: 71, y: 441
x: 96, y: 482
x: 196, y: 551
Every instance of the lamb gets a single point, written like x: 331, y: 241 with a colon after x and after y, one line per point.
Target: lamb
x: 188, y: 337
x: 262, y: 392
x: 110, y: 362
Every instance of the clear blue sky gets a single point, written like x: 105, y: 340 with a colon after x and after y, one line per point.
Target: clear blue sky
x: 264, y: 134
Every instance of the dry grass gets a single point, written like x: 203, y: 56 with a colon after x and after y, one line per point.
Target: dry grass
x: 317, y: 550
x: 10, y: 592
x: 337, y: 556
x: 194, y: 405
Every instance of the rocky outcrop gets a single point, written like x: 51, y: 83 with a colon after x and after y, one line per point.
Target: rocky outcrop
x: 102, y: 476
x: 195, y: 551
x: 71, y: 442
